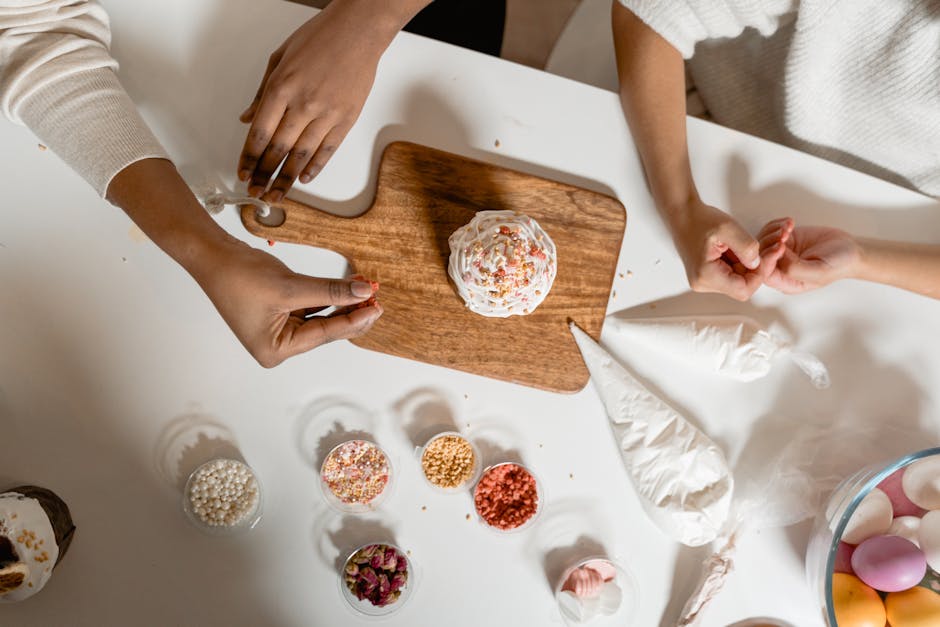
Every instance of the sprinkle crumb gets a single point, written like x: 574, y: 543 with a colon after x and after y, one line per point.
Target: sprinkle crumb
x: 468, y: 425
x: 540, y: 446
x: 424, y: 508
x: 657, y: 262
x: 124, y: 259
x: 43, y: 147
x: 408, y: 552
x: 30, y: 584
x: 620, y: 275
x: 629, y: 273
x: 496, y: 143
x: 466, y: 396
x: 571, y: 475
x: 653, y: 306
x: 270, y: 242
x: 613, y: 294
x: 468, y: 516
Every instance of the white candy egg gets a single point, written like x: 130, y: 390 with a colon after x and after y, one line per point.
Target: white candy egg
x: 873, y: 517
x: 929, y: 538
x: 921, y: 482
x: 907, y: 527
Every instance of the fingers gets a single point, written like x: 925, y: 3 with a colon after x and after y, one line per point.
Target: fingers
x: 719, y: 277
x: 739, y: 242
x: 322, y: 330
x: 263, y: 126
x: 778, y: 225
x: 327, y: 147
x: 306, y: 292
x: 288, y: 131
x: 300, y: 155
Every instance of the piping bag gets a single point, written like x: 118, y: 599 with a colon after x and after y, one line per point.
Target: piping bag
x: 731, y: 345
x: 683, y: 479
x: 681, y: 476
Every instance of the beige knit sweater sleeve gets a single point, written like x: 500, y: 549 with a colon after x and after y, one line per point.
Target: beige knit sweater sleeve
x: 58, y: 78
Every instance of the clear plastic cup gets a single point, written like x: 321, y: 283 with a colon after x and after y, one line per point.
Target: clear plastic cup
x: 831, y: 523
x: 540, y: 497
x: 474, y: 475
x: 364, y: 607
x: 625, y: 613
x: 246, y: 522
x: 356, y: 507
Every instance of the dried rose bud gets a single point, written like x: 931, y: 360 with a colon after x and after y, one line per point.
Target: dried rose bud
x: 352, y: 569
x: 397, y: 582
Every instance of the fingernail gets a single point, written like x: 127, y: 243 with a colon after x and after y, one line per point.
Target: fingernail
x: 305, y: 178
x: 255, y: 191
x: 753, y: 264
x: 274, y: 196
x: 243, y: 175
x: 362, y: 289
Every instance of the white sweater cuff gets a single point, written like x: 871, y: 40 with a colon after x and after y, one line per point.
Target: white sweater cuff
x: 89, y: 121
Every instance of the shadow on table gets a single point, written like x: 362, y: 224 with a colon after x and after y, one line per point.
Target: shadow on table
x: 349, y: 534
x: 189, y: 441
x: 431, y: 121
x: 327, y: 422
x: 872, y: 413
x: 425, y: 412
x: 754, y: 207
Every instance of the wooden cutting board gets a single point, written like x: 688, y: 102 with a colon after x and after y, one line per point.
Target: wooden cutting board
x: 423, y: 196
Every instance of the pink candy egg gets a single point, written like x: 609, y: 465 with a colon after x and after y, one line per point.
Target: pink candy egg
x: 893, y: 486
x: 584, y: 583
x: 889, y: 563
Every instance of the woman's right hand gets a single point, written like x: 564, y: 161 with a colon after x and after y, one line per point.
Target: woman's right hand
x: 719, y: 255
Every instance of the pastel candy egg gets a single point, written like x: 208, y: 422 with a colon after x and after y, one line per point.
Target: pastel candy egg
x: 929, y: 538
x: 893, y: 487
x: 907, y: 527
x: 843, y: 561
x: 917, y: 607
x: 872, y: 517
x: 855, y: 604
x: 921, y: 482
x: 889, y: 563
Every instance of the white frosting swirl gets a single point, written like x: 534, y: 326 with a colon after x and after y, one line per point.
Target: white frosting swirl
x: 502, y: 263
x: 24, y: 522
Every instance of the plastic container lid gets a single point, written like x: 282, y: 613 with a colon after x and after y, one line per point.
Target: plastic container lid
x: 247, y: 522
x: 540, y: 500
x: 625, y: 613
x: 364, y: 607
x: 356, y: 507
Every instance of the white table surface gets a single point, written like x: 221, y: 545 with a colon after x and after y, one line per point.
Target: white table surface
x: 105, y: 344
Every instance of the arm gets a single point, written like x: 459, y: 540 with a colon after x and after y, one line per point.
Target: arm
x: 313, y: 91
x: 57, y: 76
x: 816, y: 256
x: 719, y: 255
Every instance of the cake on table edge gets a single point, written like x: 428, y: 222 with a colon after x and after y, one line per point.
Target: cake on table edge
x: 502, y: 263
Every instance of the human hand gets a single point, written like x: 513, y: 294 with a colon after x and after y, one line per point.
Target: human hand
x: 312, y: 92
x: 269, y: 307
x: 719, y: 255
x: 814, y: 256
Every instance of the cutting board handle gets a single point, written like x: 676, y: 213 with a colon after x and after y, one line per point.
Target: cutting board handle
x: 302, y: 224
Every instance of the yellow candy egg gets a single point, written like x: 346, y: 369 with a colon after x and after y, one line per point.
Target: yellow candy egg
x: 917, y: 607
x: 857, y: 605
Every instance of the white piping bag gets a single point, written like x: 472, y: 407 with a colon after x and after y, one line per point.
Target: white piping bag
x: 681, y: 476
x: 731, y: 345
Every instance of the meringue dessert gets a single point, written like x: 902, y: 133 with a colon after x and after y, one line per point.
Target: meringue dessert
x: 35, y: 532
x: 502, y: 263
x: 589, y: 591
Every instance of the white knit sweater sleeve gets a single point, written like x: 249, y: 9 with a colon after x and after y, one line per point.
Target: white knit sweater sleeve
x: 684, y: 23
x: 58, y: 78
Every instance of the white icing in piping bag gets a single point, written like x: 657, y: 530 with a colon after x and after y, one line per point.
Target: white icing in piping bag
x: 681, y: 476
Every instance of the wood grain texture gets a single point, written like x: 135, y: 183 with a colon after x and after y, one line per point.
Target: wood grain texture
x: 423, y: 195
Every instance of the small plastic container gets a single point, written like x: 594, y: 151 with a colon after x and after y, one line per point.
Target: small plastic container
x: 347, y: 506
x: 625, y: 613
x: 832, y: 521
x: 246, y: 522
x: 540, y: 500
x: 365, y: 608
x: 471, y: 480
